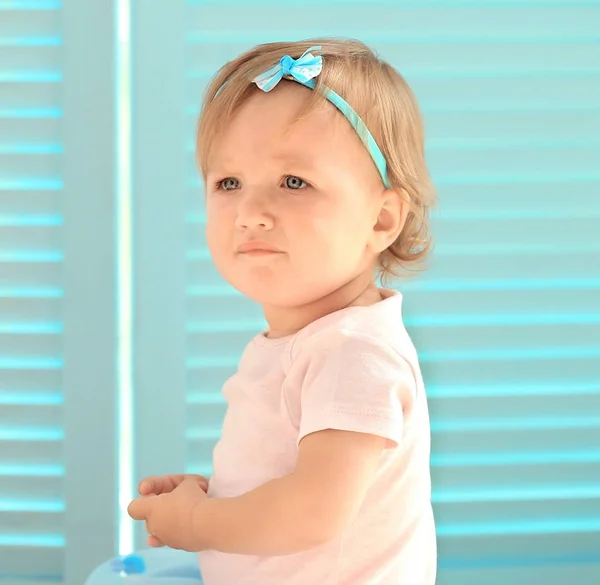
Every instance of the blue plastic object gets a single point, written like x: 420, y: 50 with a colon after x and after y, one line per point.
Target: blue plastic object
x: 130, y: 565
x: 162, y: 566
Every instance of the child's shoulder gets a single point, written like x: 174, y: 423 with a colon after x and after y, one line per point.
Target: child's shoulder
x: 361, y: 329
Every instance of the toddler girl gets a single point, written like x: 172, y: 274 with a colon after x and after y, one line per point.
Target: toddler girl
x: 313, y: 158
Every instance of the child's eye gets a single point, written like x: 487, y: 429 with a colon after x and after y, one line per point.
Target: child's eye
x: 228, y: 184
x: 292, y: 182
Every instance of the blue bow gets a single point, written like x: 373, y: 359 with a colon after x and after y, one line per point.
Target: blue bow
x: 302, y: 69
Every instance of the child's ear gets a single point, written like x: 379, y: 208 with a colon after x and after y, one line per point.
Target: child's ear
x: 393, y: 211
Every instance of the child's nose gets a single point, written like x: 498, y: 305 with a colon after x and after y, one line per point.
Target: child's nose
x: 254, y: 212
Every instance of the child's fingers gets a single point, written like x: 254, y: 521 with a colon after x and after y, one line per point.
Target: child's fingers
x: 157, y: 484
x: 162, y: 484
x: 154, y: 542
x: 147, y: 486
x: 202, y: 481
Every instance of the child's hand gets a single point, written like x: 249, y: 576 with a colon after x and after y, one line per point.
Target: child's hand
x: 164, y: 484
x: 169, y: 516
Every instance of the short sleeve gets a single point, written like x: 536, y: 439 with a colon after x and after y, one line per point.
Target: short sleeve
x: 353, y: 382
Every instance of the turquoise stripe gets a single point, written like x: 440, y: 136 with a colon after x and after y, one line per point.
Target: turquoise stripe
x: 515, y: 458
x: 31, y: 328
x: 24, y: 5
x: 30, y: 399
x: 519, y: 389
x: 446, y: 215
x: 30, y: 76
x: 31, y: 293
x: 514, y: 178
x: 524, y: 354
x: 29, y: 506
x: 31, y: 220
x: 509, y: 284
x: 33, y: 540
x: 515, y: 494
x: 30, y: 41
x: 515, y: 424
x: 477, y: 249
x: 31, y: 149
x: 40, y: 363
x: 33, y: 434
x: 31, y: 113
x: 504, y: 562
x: 32, y: 470
x: 517, y: 528
x: 477, y: 143
x: 558, y: 108
x: 496, y: 320
x: 25, y: 256
x: 31, y: 184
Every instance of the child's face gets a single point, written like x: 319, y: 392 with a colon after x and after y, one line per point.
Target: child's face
x: 308, y: 191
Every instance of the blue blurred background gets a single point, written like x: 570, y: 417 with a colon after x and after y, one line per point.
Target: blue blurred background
x: 116, y: 332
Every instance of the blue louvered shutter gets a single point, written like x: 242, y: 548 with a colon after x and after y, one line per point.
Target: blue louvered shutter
x: 506, y: 320
x: 57, y: 458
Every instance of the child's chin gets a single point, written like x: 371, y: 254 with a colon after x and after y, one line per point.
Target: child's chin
x: 264, y: 295
x: 268, y: 292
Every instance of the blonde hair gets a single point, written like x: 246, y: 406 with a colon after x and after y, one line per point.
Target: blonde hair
x: 380, y: 96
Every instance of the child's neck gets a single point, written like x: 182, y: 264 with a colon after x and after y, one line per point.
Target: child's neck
x: 284, y: 321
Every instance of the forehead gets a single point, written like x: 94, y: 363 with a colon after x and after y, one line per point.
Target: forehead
x: 268, y: 126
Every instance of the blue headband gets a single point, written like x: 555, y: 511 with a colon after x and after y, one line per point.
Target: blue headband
x: 304, y: 70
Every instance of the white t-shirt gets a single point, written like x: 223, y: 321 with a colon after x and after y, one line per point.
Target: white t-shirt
x: 356, y: 370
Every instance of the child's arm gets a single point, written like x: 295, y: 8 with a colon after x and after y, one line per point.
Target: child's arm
x: 300, y: 511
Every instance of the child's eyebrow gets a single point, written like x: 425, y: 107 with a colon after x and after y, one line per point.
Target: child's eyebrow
x: 298, y: 158
x: 221, y: 165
